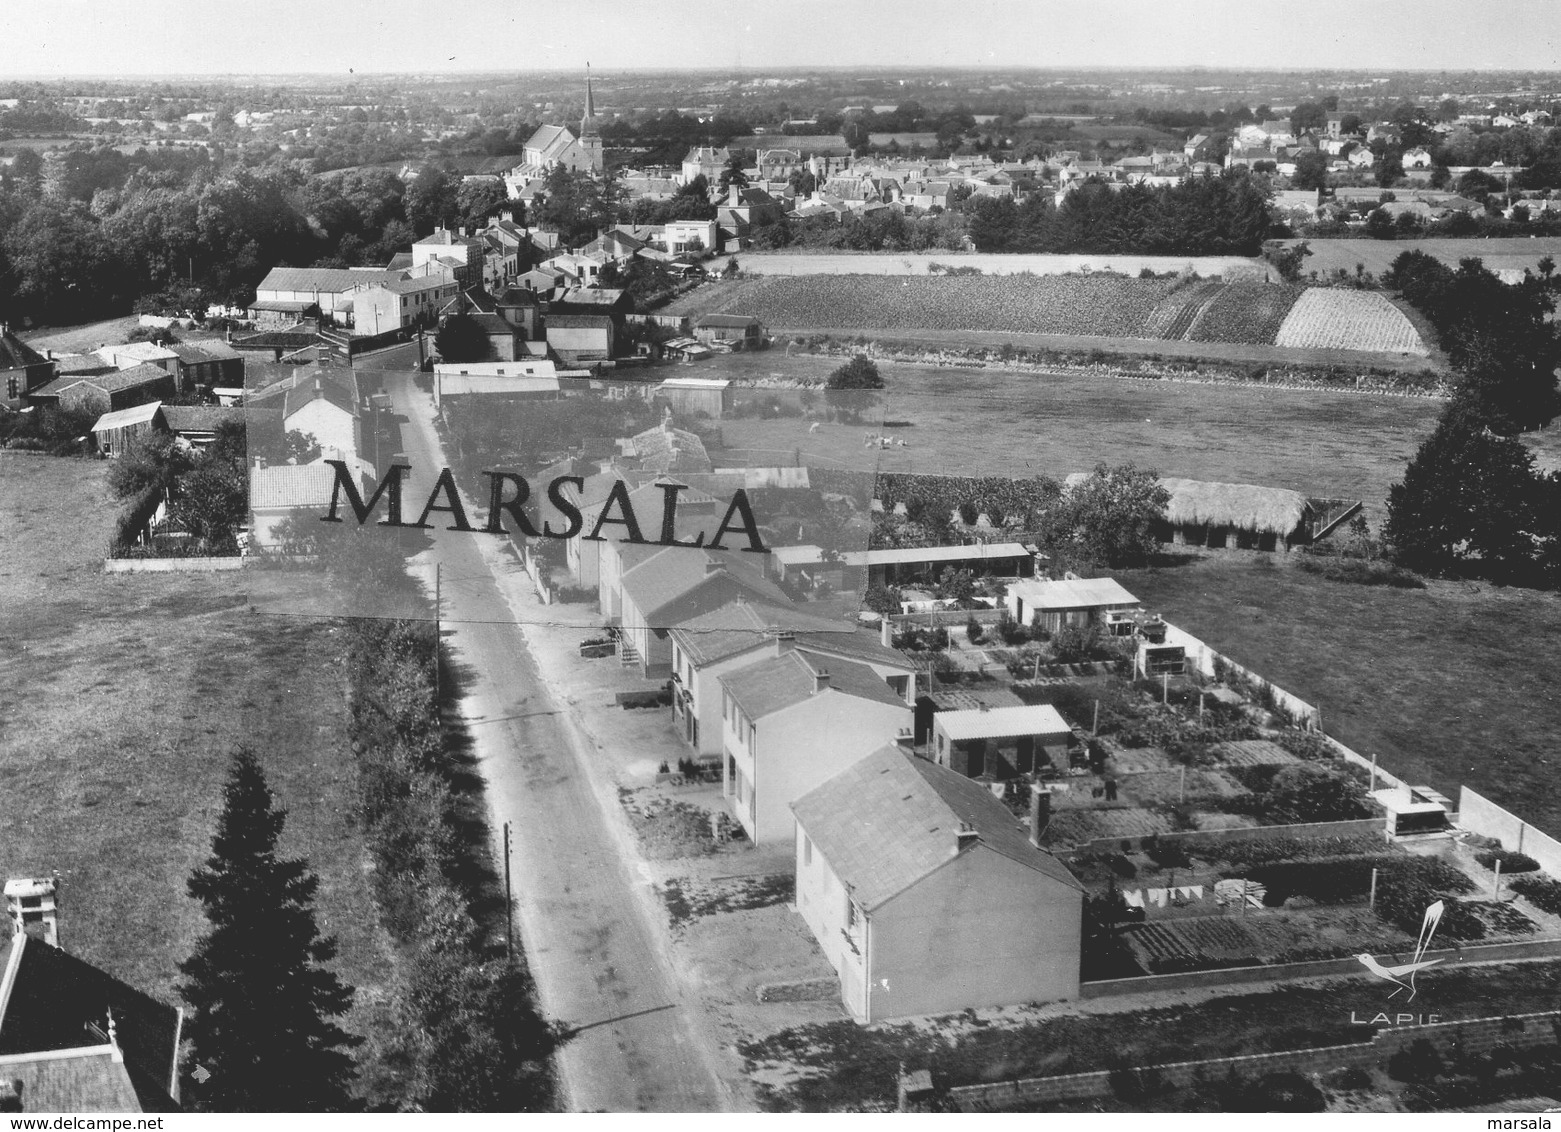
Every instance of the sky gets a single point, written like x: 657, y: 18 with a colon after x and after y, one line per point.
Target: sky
x: 212, y: 37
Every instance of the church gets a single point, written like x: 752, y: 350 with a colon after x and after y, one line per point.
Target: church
x: 552, y: 146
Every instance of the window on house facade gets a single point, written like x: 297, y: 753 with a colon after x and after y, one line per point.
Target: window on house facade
x: 807, y: 850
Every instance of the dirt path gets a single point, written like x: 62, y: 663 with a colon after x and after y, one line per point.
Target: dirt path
x: 594, y: 937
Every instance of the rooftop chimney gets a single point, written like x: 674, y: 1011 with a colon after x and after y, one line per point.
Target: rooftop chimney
x: 885, y: 631
x: 1040, y: 812
x: 967, y: 836
x: 30, y: 903
x: 820, y: 679
x: 10, y: 1095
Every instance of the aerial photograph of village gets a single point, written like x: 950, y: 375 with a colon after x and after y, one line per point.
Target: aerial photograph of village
x: 663, y: 558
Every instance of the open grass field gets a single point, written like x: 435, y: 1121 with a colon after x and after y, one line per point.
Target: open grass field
x: 817, y: 261
x: 986, y: 422
x: 80, y: 339
x: 1329, y: 256
x: 1449, y: 685
x: 124, y: 696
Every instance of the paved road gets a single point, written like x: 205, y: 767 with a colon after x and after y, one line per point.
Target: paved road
x: 593, y: 937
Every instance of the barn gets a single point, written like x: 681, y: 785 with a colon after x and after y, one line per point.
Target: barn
x: 1235, y: 515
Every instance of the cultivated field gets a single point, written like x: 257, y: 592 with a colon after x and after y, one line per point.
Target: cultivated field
x: 1092, y: 305
x: 124, y: 696
x: 1450, y: 685
x: 1517, y: 253
x: 985, y: 422
x: 1324, y: 319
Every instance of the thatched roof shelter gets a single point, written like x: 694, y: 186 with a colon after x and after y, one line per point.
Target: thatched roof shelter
x: 1240, y: 506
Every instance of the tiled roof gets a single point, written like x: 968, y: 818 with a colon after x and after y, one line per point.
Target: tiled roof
x: 792, y: 677
x: 856, y: 644
x: 54, y: 997
x: 207, y: 418
x: 728, y: 321
x: 14, y: 353
x: 579, y: 322
x: 672, y: 573
x: 136, y: 351
x: 109, y: 382
x: 739, y: 626
x: 889, y: 820
x: 204, y: 350
x: 78, y: 364
x: 291, y: 485
x: 317, y: 385
x: 90, y: 1079
x: 330, y: 280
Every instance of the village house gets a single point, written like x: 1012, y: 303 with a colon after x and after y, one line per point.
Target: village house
x: 398, y: 304
x: 736, y: 330
x: 661, y: 587
x: 22, y: 369
x: 283, y: 296
x: 72, y: 1037
x: 1000, y: 743
x: 208, y: 362
x: 926, y: 895
x: 1058, y: 603
x: 744, y: 633
x: 791, y: 723
x: 578, y: 338
x: 106, y: 392
x: 322, y: 403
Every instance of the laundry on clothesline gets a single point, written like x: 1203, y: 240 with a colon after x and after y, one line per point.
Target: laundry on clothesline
x: 1133, y: 898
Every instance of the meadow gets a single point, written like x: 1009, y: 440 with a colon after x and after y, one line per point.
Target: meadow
x: 990, y: 422
x: 125, y: 696
x: 1329, y: 256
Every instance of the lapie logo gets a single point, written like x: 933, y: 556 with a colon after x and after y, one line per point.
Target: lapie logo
x: 1403, y: 974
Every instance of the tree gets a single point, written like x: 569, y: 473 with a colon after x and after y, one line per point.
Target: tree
x: 431, y: 200
x: 1109, y: 519
x: 476, y: 201
x: 1308, y: 116
x: 264, y: 1003
x: 153, y: 459
x: 1466, y: 496
x: 462, y: 339
x: 859, y: 373
x: 212, y: 501
x: 732, y: 174
x: 1311, y: 170
x: 1379, y: 225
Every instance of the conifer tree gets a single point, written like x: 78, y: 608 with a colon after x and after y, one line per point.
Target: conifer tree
x: 263, y: 1037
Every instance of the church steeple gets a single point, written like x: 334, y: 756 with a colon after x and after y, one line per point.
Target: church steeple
x: 588, y: 123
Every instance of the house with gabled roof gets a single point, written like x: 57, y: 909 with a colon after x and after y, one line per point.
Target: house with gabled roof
x: 928, y: 896
x: 106, y: 392
x: 791, y: 723
x: 743, y: 633
x: 22, y: 369
x: 75, y: 1039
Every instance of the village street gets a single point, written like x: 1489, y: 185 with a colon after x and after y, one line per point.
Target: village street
x: 593, y: 931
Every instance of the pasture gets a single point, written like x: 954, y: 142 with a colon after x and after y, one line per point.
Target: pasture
x: 990, y: 422
x: 125, y: 696
x: 1449, y: 685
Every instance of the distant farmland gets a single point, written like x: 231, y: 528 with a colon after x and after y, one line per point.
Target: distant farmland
x: 1329, y: 256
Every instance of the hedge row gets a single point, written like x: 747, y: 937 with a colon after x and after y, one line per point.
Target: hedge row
x: 463, y: 1033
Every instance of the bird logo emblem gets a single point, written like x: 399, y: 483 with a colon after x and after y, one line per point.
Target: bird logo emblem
x: 1403, y: 974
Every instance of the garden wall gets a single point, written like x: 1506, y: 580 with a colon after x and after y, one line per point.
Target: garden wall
x: 1357, y: 828
x: 1480, y: 815
x: 1474, y: 1036
x: 1319, y: 968
x: 170, y: 565
x: 1203, y: 657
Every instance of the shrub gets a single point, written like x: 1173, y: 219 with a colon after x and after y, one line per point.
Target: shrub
x: 1511, y: 862
x: 973, y: 631
x: 1541, y: 891
x: 1167, y: 854
x: 1420, y: 1063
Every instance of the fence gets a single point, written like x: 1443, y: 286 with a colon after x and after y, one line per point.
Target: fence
x: 535, y: 568
x: 189, y: 565
x: 1480, y: 815
x: 1204, y: 659
x: 1474, y: 1036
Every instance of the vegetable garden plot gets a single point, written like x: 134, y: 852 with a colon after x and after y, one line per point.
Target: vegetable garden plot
x: 1253, y: 752
x: 1072, y: 826
x: 1176, y: 311
x: 1220, y: 937
x: 1244, y: 312
x: 1330, y: 319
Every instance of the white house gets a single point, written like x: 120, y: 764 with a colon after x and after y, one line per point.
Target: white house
x: 927, y: 896
x: 789, y: 724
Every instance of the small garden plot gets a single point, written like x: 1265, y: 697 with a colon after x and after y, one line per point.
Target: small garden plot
x: 1253, y: 752
x: 1140, y: 760
x: 1203, y: 786
x: 1166, y: 947
x: 689, y: 899
x: 1074, y: 826
x: 669, y: 829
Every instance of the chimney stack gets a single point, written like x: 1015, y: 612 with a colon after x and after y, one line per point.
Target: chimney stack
x: 967, y: 836
x: 820, y: 679
x: 1040, y: 812
x: 30, y: 902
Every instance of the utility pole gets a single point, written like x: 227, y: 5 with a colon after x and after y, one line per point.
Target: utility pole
x: 509, y: 916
